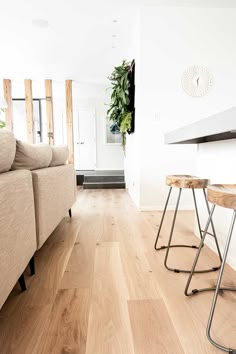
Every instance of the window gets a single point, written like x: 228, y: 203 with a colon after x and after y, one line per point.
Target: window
x: 19, y: 119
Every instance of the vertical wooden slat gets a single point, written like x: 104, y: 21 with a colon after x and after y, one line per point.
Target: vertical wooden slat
x: 8, y: 98
x: 69, y: 121
x: 29, y: 111
x: 49, y: 109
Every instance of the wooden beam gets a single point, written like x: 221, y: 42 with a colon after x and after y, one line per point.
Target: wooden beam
x: 29, y: 111
x: 69, y: 121
x: 8, y: 98
x: 49, y: 109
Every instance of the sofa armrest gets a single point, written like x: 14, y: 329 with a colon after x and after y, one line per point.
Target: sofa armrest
x: 54, y: 194
x: 17, y: 228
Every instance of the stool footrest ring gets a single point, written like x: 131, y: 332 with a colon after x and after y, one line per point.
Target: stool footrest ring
x: 176, y: 270
x: 172, y: 246
x: 201, y: 234
x: 196, y: 291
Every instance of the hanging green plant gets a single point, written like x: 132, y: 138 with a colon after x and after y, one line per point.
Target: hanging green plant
x: 2, y: 122
x: 125, y: 126
x: 119, y: 106
x: 126, y: 122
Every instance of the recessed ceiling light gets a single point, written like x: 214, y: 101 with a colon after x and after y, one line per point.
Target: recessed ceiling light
x: 40, y: 23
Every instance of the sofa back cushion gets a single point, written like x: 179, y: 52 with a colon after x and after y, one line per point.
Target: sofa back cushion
x: 31, y: 156
x: 7, y: 150
x: 59, y: 155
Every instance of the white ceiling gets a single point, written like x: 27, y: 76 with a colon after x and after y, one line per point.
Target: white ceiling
x: 78, y: 42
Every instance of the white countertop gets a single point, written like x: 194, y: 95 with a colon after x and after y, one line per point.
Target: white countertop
x: 220, y: 126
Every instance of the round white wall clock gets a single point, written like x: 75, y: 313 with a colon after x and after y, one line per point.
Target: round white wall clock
x: 196, y: 81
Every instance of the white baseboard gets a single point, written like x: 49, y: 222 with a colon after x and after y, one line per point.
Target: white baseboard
x: 161, y: 207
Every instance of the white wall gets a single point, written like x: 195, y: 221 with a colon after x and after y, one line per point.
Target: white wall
x: 171, y: 40
x: 133, y: 145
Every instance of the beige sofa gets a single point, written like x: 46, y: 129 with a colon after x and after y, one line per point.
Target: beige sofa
x: 54, y: 192
x: 17, y: 218
x: 34, y: 197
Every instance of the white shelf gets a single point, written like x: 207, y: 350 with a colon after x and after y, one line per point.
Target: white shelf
x: 220, y: 126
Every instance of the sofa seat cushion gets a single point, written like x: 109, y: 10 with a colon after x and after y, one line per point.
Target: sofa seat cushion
x: 59, y: 155
x: 7, y: 150
x: 17, y: 228
x: 54, y: 193
x: 31, y: 156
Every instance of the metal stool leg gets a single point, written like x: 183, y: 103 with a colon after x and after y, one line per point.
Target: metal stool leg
x: 176, y: 270
x: 218, y: 288
x: 160, y: 227
x: 197, y: 214
x: 172, y: 230
x: 198, y: 254
x: 196, y: 291
x: 208, y: 233
x: 162, y: 219
x: 213, y: 229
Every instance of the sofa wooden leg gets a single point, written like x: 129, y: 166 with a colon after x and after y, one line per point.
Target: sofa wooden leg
x: 70, y: 214
x: 32, y: 266
x: 22, y: 282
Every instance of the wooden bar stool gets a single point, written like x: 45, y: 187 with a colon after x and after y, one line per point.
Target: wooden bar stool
x: 223, y: 195
x: 185, y: 182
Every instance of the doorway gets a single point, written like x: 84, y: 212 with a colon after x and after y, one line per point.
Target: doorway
x: 85, y: 138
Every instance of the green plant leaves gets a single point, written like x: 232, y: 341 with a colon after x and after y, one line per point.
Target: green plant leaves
x: 118, y: 111
x: 2, y: 124
x: 126, y: 122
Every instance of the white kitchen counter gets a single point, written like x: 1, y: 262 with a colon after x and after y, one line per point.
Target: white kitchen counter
x: 220, y: 126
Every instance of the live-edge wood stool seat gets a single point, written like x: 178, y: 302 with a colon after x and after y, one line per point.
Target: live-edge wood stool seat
x: 186, y: 181
x: 192, y: 183
x: 223, y: 195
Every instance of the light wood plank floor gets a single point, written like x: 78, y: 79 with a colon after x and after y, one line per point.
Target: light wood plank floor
x: 100, y: 288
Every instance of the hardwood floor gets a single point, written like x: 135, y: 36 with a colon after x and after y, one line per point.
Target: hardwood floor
x: 100, y: 288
